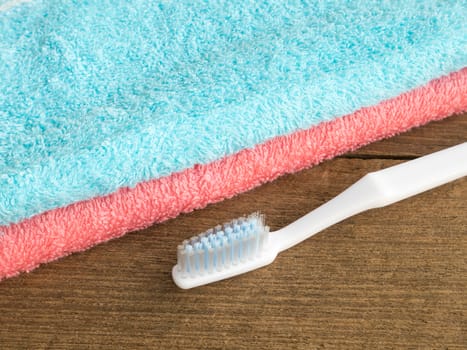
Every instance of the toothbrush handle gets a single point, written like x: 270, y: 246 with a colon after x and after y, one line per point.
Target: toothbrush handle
x: 378, y: 189
x: 416, y: 176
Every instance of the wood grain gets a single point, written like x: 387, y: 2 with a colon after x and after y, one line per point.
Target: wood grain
x: 393, y: 277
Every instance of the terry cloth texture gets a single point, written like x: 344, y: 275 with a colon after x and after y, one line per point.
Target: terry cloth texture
x: 61, y: 231
x: 102, y: 94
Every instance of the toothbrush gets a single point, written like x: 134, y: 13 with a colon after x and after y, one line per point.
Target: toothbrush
x: 245, y: 244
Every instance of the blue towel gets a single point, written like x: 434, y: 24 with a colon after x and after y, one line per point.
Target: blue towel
x: 101, y: 94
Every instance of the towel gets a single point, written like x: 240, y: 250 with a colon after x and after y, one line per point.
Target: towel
x: 118, y: 114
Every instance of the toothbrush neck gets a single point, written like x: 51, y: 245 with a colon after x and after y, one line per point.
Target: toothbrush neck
x: 361, y: 196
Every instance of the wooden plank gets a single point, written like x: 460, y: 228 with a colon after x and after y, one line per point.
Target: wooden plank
x: 423, y: 140
x: 394, y: 277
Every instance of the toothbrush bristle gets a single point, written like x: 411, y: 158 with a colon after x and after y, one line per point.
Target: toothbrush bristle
x: 222, y: 247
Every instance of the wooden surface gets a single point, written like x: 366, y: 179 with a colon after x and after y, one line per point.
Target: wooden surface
x: 394, y: 277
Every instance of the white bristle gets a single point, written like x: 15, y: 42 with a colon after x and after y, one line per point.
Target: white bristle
x: 225, y: 251
x: 190, y: 262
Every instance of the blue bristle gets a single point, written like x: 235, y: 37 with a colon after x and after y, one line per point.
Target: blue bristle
x: 246, y: 237
x: 232, y: 247
x: 231, y: 243
x: 240, y: 248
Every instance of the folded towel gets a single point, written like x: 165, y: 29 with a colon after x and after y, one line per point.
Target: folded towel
x: 102, y: 102
x: 96, y: 95
x: 78, y: 226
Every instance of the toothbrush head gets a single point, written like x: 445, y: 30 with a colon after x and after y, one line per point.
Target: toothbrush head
x: 233, y: 248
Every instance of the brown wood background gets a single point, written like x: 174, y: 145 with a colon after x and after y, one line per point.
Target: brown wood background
x: 394, y: 277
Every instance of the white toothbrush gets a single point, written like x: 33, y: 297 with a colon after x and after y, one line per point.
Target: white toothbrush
x: 246, y: 244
